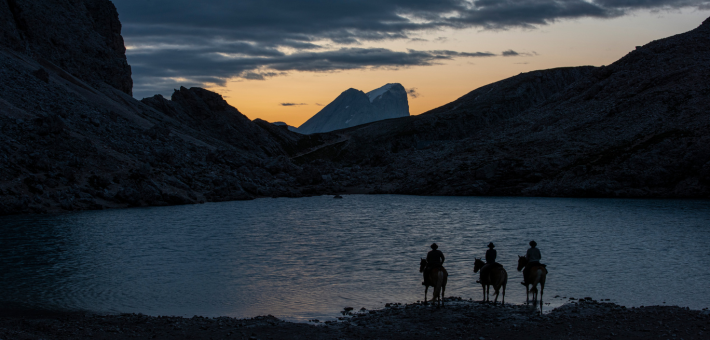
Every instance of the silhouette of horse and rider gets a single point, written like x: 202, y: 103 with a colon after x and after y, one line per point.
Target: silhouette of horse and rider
x: 434, y: 273
x: 492, y: 273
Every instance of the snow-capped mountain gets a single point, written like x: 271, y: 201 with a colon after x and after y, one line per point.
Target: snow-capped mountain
x: 354, y: 107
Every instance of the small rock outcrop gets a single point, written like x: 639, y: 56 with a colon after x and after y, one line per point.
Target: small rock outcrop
x: 354, y: 107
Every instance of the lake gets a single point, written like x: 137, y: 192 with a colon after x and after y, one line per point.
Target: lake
x: 309, y: 257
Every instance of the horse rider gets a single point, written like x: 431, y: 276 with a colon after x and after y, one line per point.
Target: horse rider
x: 490, y: 261
x: 434, y: 259
x: 533, y: 256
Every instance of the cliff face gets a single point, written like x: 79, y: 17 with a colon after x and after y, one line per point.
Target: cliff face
x: 354, y: 107
x: 72, y: 137
x: 83, y: 37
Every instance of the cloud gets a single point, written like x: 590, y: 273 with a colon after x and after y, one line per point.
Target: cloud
x: 292, y: 104
x: 511, y: 53
x: 413, y: 93
x: 169, y: 69
x: 412, y: 40
x: 248, y: 38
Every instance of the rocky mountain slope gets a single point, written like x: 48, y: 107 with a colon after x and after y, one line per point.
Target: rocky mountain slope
x: 72, y: 137
x: 354, y: 107
x: 636, y: 128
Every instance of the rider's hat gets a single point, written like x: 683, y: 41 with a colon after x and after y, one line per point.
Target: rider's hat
x: 434, y: 246
x: 533, y: 243
x: 491, y: 245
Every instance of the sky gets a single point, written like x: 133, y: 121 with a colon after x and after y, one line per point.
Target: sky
x: 283, y: 60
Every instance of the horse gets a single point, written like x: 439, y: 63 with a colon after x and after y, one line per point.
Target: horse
x: 497, y: 278
x: 537, y: 274
x: 437, y: 278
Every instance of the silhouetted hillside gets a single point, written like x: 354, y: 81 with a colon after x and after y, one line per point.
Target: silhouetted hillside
x: 72, y: 137
x: 636, y: 128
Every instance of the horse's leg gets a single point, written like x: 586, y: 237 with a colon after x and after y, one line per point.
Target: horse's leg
x: 426, y: 291
x: 505, y: 283
x: 437, y: 288
x: 542, y: 290
x: 503, y: 301
x: 443, y: 286
x: 496, y: 290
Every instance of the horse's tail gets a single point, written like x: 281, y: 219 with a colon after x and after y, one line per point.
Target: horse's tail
x: 439, y: 283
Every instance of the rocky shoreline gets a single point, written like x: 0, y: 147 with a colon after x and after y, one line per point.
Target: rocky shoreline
x: 458, y: 319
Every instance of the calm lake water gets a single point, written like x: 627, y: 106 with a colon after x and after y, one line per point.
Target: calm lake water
x: 310, y: 257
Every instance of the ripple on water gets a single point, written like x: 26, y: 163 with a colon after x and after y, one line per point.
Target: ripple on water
x: 309, y: 257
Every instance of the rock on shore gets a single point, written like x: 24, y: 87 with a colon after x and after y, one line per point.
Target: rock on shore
x: 459, y: 319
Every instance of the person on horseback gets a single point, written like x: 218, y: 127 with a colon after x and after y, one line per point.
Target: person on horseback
x: 490, y: 261
x: 434, y: 258
x: 533, y: 255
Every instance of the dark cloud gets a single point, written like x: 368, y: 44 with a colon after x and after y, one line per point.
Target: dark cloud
x: 255, y: 38
x: 168, y: 69
x: 292, y: 104
x: 413, y: 92
x: 511, y: 53
x: 650, y: 3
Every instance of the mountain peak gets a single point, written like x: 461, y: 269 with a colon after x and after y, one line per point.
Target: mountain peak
x: 354, y: 107
x: 374, y: 94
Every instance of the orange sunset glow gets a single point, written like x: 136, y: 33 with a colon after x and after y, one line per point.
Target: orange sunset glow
x: 567, y: 43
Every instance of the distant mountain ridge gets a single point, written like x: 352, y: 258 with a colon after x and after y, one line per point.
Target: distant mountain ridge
x: 73, y: 138
x: 635, y: 128
x: 354, y: 107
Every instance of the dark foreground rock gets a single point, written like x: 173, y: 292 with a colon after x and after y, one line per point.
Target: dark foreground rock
x: 459, y: 319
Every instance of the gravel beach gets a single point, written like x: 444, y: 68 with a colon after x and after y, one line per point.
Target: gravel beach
x: 458, y: 319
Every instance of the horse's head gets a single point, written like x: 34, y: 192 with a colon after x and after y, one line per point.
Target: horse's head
x: 478, y: 264
x: 422, y: 265
x: 522, y: 261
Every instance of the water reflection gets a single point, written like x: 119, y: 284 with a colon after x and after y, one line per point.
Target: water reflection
x: 305, y: 258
